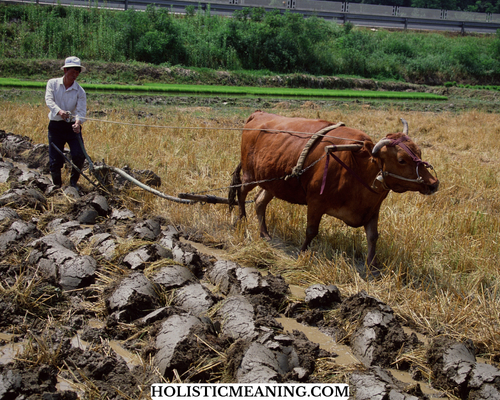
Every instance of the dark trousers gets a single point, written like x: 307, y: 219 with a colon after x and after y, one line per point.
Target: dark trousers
x: 60, y: 134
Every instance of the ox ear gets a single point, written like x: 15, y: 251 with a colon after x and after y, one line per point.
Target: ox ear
x: 379, y: 145
x: 368, y: 145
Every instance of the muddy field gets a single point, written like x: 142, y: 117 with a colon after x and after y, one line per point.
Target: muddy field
x: 99, y: 303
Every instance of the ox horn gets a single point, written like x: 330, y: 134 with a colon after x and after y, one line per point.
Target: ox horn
x: 405, y: 126
x: 379, y: 145
x: 385, y: 142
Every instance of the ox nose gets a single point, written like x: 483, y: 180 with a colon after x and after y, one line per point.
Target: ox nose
x: 433, y: 188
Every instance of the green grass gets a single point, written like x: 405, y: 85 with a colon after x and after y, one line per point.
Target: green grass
x: 280, y: 43
x: 235, y: 90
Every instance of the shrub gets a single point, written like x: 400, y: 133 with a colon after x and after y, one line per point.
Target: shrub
x: 190, y: 11
x: 253, y: 40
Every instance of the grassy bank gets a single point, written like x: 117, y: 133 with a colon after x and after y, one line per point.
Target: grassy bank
x: 233, y: 90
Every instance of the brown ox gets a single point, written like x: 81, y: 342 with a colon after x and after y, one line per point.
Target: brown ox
x: 271, y: 146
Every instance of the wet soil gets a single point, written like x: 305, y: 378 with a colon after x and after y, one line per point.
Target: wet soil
x: 458, y: 98
x: 98, y: 303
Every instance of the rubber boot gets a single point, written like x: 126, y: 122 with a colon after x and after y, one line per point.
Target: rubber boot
x: 56, y: 178
x: 75, y: 175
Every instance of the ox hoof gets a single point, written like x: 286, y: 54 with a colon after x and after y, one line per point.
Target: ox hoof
x: 372, y: 273
x: 239, y: 220
x: 266, y: 237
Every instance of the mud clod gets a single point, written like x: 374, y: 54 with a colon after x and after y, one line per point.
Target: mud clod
x: 18, y: 231
x: 77, y: 273
x: 378, y: 384
x: 147, y: 230
x: 177, y: 343
x: 173, y: 276
x: 231, y: 278
x: 133, y: 298
x: 188, y: 255
x: 19, y: 198
x: 324, y: 296
x: 104, y: 244
x: 57, y: 258
x: 223, y: 275
x: 379, y: 337
x: 194, y: 298
x: 145, y: 255
x: 261, y: 365
x: 7, y: 213
x: 237, y: 315
x: 5, y: 169
x: 455, y: 368
x: 169, y: 237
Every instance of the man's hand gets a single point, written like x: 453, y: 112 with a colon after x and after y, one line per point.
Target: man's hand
x: 64, y: 114
x: 76, y: 127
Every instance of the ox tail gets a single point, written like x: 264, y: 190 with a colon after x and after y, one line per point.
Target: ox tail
x: 235, y: 187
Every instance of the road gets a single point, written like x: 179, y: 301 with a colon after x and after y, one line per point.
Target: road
x: 366, y: 15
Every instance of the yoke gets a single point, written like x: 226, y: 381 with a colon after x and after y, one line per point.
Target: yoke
x: 297, y: 170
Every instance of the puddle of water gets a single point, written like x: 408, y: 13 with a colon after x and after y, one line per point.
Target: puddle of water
x: 130, y: 358
x: 297, y: 291
x: 405, y: 377
x: 345, y: 356
x: 10, y: 350
x: 78, y: 343
x: 95, y: 323
x: 65, y: 385
x: 217, y: 253
x: 420, y: 337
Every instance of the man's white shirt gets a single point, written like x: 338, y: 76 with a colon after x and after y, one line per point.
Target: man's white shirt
x: 73, y: 99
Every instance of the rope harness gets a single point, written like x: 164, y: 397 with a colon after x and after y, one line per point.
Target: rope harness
x: 329, y: 152
x: 297, y: 171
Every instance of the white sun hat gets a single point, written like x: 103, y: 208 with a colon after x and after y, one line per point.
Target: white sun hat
x: 73, y: 62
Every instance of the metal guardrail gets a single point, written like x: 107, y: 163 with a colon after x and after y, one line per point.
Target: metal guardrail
x: 368, y: 15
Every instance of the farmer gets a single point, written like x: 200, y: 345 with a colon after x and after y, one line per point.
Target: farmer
x: 67, y: 102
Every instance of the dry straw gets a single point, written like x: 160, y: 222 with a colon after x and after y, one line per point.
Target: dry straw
x: 440, y: 253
